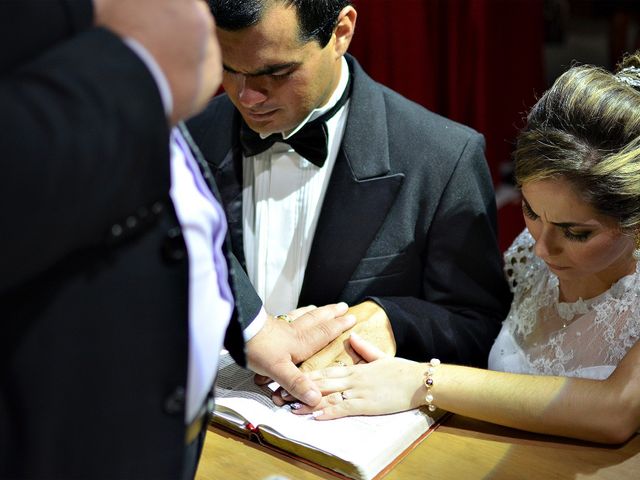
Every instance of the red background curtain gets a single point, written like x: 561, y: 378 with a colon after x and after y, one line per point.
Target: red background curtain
x: 479, y: 62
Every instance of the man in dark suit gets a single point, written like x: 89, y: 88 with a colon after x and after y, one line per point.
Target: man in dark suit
x: 98, y: 320
x: 396, y: 213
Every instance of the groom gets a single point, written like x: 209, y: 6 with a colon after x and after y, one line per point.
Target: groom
x: 337, y: 188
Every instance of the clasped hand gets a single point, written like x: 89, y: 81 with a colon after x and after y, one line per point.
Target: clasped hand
x: 279, y: 346
x: 385, y: 385
x: 371, y: 324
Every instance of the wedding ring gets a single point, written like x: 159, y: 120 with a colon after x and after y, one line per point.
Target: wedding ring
x: 285, y: 317
x: 343, y: 395
x: 340, y: 363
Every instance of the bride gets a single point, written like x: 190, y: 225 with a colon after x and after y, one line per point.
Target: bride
x: 566, y: 361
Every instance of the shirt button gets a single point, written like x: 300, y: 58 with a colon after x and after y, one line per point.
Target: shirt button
x: 174, y: 249
x: 116, y: 230
x: 157, y: 208
x: 131, y: 222
x: 174, y: 403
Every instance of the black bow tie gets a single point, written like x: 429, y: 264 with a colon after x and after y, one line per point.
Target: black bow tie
x: 309, y: 142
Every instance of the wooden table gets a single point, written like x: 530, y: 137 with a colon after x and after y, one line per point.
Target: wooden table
x: 460, y: 448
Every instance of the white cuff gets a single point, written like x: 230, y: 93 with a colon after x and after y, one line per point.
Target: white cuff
x: 256, y: 325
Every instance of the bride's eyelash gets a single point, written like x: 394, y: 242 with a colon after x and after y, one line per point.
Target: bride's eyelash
x: 578, y: 237
x: 528, y: 212
x: 568, y: 234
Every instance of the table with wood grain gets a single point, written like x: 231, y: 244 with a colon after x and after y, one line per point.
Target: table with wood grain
x: 460, y: 448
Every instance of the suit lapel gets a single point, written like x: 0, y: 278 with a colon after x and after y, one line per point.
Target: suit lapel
x: 360, y: 193
x: 226, y: 184
x: 222, y: 149
x: 228, y: 176
x: 197, y: 155
x: 233, y: 334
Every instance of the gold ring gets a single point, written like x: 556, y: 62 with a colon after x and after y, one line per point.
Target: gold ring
x: 343, y: 395
x: 340, y: 363
x: 285, y: 317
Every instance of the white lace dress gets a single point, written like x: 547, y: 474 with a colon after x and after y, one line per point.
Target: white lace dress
x: 541, y: 335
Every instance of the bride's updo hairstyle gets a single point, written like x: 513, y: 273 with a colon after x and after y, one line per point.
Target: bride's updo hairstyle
x: 586, y: 129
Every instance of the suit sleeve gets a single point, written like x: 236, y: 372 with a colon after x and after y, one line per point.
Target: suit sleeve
x: 28, y: 27
x: 84, y: 144
x: 247, y: 308
x: 465, y: 294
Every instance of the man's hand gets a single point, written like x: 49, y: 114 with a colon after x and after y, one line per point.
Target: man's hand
x: 372, y: 325
x: 180, y: 35
x: 276, y: 349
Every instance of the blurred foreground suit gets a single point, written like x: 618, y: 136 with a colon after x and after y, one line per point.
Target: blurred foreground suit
x: 94, y: 273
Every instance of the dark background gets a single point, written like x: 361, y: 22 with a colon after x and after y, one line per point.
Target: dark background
x: 484, y: 62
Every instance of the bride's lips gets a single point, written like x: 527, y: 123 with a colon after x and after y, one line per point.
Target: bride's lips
x: 556, y: 267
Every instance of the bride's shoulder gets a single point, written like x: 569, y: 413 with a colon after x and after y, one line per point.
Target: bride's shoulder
x: 520, y: 262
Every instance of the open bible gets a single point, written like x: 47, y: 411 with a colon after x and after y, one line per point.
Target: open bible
x: 361, y: 448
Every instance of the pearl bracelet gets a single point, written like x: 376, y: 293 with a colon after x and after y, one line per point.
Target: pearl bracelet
x: 428, y: 382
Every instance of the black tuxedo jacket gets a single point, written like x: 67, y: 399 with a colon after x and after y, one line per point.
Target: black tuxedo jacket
x: 408, y: 220
x: 94, y: 284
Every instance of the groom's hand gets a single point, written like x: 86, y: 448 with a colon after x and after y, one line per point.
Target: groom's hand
x: 372, y: 324
x: 280, y: 345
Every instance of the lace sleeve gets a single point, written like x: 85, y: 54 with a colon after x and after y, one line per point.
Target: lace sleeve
x: 519, y: 260
x: 542, y: 335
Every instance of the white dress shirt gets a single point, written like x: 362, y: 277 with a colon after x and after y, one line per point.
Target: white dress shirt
x: 282, y: 197
x: 204, y: 229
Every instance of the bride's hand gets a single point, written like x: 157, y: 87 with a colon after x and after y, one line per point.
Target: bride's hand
x: 385, y: 385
